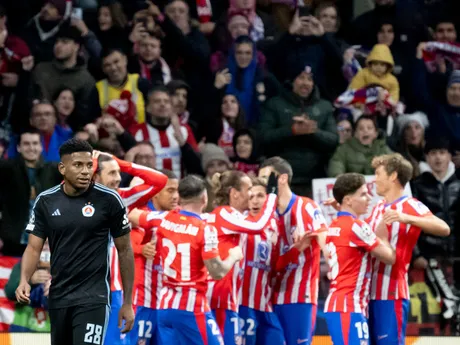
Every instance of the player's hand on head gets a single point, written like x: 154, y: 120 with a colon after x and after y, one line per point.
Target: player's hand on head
x: 126, y: 314
x: 272, y: 184
x: 23, y: 293
x: 236, y: 252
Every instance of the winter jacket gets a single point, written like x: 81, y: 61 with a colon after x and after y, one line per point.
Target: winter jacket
x: 365, y: 77
x: 308, y: 154
x: 442, y: 198
x: 352, y: 156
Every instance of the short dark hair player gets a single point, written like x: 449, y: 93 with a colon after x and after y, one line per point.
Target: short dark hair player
x: 79, y: 217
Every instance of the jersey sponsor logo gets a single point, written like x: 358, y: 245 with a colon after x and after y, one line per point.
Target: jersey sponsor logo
x: 263, y: 251
x: 88, y: 211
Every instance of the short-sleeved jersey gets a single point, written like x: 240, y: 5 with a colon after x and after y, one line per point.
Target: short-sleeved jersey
x: 298, y: 281
x: 184, y: 242
x: 349, y: 243
x: 79, y: 231
x: 390, y: 282
x: 230, y: 225
x: 260, y: 256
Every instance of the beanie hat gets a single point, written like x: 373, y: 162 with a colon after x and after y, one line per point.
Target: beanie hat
x: 123, y: 109
x: 64, y: 7
x: 70, y: 32
x: 436, y: 143
x: 294, y: 70
x: 454, y: 78
x: 403, y: 120
x: 212, y: 152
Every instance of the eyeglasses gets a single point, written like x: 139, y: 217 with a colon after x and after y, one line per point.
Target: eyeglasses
x: 343, y: 129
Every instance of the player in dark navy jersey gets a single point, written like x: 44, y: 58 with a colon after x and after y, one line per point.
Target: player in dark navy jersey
x: 79, y: 218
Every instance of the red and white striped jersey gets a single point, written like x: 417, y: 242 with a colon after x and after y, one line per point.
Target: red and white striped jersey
x: 230, y: 224
x: 390, y: 282
x: 167, y: 148
x: 184, y: 242
x: 261, y: 253
x: 148, y: 272
x: 133, y: 197
x: 298, y: 281
x: 349, y: 242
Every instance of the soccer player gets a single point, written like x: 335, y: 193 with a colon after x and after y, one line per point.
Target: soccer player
x: 296, y: 289
x: 79, y: 218
x: 231, y: 190
x: 350, y: 242
x: 261, y: 325
x: 108, y: 169
x: 149, y: 275
x: 404, y: 218
x: 188, y: 247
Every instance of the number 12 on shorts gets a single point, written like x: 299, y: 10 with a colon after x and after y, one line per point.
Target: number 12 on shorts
x: 93, y: 334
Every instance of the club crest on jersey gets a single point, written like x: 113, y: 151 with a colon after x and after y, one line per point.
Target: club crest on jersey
x: 263, y: 251
x: 88, y: 210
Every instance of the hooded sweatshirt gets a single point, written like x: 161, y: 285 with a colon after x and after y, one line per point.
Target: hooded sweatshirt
x: 365, y: 77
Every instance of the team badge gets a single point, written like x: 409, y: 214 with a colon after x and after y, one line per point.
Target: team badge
x: 87, y: 210
x: 263, y: 251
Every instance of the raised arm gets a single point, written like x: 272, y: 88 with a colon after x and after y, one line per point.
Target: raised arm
x: 146, y: 219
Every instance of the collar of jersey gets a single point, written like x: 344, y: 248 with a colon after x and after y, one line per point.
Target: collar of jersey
x: 291, y: 202
x: 91, y: 185
x: 345, y: 214
x: 396, y: 201
x: 190, y: 214
x: 151, y: 206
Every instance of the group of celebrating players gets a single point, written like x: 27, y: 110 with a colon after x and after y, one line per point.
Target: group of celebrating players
x: 245, y: 273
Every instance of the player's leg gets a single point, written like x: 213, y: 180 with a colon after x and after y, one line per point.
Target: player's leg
x: 166, y: 332
x: 298, y: 321
x: 145, y: 327
x: 269, y: 330
x: 229, y: 325
x: 387, y: 322
x: 89, y: 324
x: 61, y: 326
x: 347, y: 328
x: 249, y: 325
x: 113, y: 335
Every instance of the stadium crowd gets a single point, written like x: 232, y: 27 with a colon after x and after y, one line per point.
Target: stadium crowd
x: 216, y: 86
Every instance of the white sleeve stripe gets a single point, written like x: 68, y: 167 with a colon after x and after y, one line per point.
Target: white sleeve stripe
x: 133, y: 198
x: 156, y: 215
x: 368, y: 238
x: 109, y: 191
x: 248, y: 225
x: 46, y: 192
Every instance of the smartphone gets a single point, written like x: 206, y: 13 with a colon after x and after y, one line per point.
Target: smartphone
x: 77, y: 13
x: 304, y: 11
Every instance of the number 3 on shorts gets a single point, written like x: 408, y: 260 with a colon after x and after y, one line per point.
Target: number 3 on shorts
x: 93, y: 334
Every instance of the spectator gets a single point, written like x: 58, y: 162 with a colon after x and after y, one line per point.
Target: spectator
x: 22, y: 179
x: 248, y: 7
x: 148, y: 63
x: 328, y: 15
x: 345, y: 127
x: 380, y: 64
x: 112, y: 25
x: 410, y: 139
x: 174, y: 143
x: 43, y: 117
x: 438, y: 188
x: 245, y: 156
x: 299, y: 126
x: 214, y: 160
x: 114, y: 65
x: 66, y: 70
x: 445, y: 31
x: 40, y: 33
x: 64, y: 101
x: 180, y: 91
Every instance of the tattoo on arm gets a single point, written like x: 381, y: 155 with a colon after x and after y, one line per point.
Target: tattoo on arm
x: 126, y: 259
x: 218, y: 268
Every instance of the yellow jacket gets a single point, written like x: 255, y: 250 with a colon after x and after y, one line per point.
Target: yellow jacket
x: 365, y: 77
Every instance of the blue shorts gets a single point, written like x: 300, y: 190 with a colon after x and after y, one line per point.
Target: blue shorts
x: 229, y: 324
x: 184, y: 327
x: 298, y: 321
x: 347, y: 328
x: 261, y: 328
x: 113, y: 334
x: 387, y: 321
x: 145, y: 330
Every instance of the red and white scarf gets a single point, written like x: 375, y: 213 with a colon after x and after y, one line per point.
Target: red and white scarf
x: 165, y: 70
x: 368, y: 97
x: 435, y: 50
x: 204, y: 10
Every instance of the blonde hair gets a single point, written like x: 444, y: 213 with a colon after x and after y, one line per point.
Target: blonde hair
x: 257, y: 181
x: 223, y: 183
x: 395, y: 162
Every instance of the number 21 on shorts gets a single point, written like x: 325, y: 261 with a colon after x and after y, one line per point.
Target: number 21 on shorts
x: 93, y: 334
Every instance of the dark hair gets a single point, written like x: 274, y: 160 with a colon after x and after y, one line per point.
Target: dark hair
x: 244, y: 40
x: 443, y: 18
x: 395, y: 162
x: 347, y: 184
x: 159, y: 88
x: 61, y: 90
x: 116, y: 12
x: 239, y: 120
x: 326, y: 4
x: 191, y: 186
x: 279, y: 165
x: 169, y: 174
x: 29, y: 130
x: 437, y: 143
x: 74, y: 145
x: 101, y: 159
x: 223, y: 183
x: 2, y: 11
x: 110, y: 50
x: 366, y: 117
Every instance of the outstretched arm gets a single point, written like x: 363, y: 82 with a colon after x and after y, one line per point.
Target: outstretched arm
x: 218, y: 268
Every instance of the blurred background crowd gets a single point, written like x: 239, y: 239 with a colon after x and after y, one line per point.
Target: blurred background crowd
x: 204, y: 86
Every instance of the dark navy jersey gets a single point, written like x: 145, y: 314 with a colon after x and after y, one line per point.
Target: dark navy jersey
x: 79, y: 230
